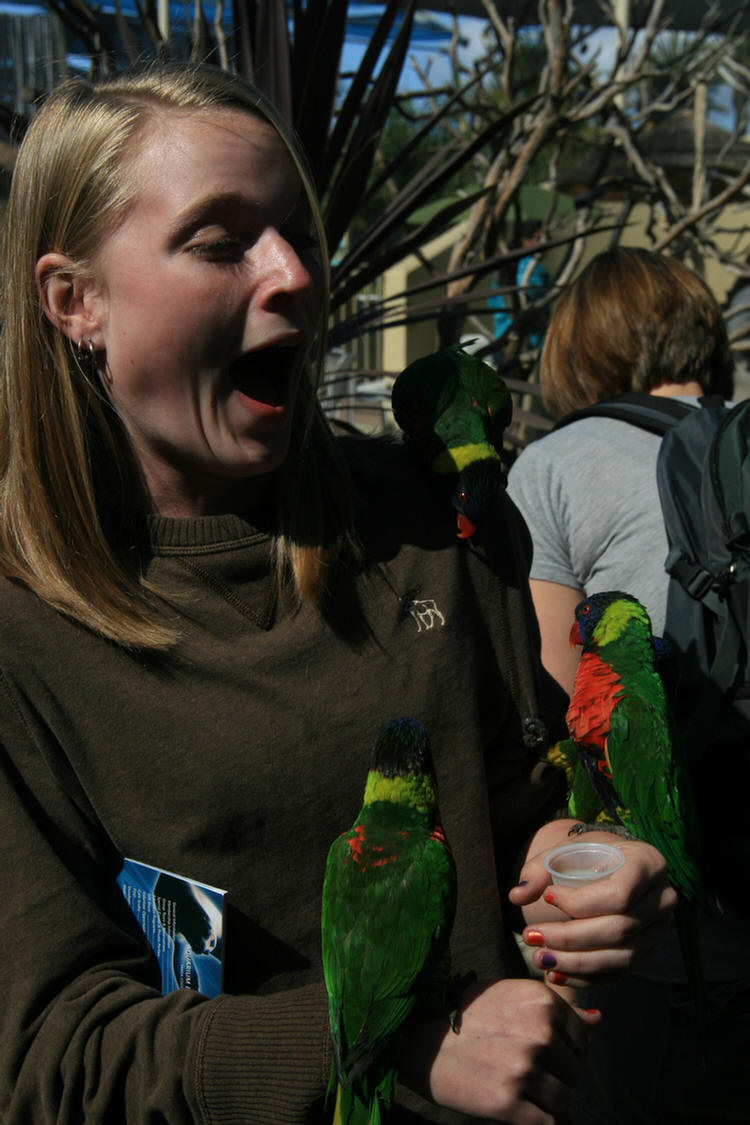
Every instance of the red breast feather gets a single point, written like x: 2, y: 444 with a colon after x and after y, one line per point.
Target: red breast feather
x: 597, y: 690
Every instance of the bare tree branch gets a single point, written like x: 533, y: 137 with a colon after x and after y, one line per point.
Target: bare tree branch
x: 714, y: 204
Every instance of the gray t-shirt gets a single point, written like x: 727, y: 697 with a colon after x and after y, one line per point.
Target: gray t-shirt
x: 588, y: 494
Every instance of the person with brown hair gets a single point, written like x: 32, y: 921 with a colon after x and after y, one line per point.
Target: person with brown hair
x: 632, y: 321
x: 208, y: 609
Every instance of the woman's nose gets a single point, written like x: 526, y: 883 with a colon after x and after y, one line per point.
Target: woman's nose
x: 282, y: 274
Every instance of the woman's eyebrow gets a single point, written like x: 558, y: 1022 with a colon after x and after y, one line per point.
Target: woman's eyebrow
x: 211, y: 206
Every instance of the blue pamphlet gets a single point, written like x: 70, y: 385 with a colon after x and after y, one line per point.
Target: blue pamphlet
x: 183, y: 921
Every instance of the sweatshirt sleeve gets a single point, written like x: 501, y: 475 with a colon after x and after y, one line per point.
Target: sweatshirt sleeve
x: 85, y: 1034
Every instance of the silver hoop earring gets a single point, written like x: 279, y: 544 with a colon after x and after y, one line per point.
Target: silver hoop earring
x: 86, y: 356
x: 85, y: 349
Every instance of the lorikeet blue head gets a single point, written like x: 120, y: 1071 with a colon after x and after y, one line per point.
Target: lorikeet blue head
x: 589, y: 613
x: 479, y: 486
x: 402, y: 748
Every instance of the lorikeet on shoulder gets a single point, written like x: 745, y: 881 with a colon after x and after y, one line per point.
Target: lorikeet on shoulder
x: 626, y: 737
x: 389, y: 900
x: 453, y: 408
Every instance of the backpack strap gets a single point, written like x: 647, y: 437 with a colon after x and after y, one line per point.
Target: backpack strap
x: 656, y: 413
x: 700, y: 583
x: 709, y: 586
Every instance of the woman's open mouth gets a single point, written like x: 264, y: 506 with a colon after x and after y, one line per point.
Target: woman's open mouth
x: 264, y: 379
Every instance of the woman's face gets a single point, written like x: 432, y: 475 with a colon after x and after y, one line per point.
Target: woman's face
x: 205, y: 298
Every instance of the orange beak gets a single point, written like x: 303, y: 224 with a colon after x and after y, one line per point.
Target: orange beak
x: 465, y: 527
x: 575, y: 636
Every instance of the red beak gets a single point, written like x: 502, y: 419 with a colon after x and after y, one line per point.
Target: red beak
x: 575, y: 636
x: 465, y: 527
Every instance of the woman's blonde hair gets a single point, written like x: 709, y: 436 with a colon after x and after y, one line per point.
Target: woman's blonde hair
x: 66, y: 470
x: 633, y: 320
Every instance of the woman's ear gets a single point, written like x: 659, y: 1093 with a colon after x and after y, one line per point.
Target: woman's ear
x: 63, y: 295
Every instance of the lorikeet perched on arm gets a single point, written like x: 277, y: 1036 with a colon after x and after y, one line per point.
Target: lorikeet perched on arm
x: 584, y: 802
x: 454, y: 407
x: 626, y: 737
x: 389, y: 900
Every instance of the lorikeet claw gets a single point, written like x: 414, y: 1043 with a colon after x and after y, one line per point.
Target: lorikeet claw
x: 615, y: 829
x: 456, y: 986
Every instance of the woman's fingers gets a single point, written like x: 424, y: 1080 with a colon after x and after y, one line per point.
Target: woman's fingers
x: 602, y: 930
x: 519, y: 1050
x: 559, y: 957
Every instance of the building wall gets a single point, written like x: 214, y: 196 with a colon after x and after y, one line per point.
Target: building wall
x: 731, y: 234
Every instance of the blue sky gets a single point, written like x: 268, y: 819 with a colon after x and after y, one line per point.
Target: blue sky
x: 432, y: 50
x: 601, y: 41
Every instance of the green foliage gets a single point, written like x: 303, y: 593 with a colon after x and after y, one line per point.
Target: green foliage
x: 396, y: 137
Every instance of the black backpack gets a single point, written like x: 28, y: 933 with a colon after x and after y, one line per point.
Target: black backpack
x: 703, y: 476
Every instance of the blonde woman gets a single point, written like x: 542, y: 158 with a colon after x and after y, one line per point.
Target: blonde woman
x: 208, y: 609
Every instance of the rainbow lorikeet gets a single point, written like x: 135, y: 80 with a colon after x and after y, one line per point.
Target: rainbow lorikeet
x: 389, y: 900
x: 626, y: 737
x: 453, y: 407
x: 584, y: 803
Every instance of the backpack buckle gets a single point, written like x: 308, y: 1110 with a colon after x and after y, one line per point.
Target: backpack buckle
x: 696, y: 579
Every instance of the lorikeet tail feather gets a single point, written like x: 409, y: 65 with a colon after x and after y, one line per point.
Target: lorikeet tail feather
x: 351, y: 1110
x: 686, y: 923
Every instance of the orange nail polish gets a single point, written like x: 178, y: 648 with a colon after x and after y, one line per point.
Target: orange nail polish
x: 550, y: 898
x: 557, y: 978
x: 534, y: 937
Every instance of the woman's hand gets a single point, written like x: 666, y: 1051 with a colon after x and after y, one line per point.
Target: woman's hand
x: 601, y: 930
x: 517, y: 1052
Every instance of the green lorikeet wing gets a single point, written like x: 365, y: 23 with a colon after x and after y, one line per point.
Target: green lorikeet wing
x: 453, y: 406
x: 479, y: 410
x: 654, y: 786
x: 386, y: 919
x: 658, y: 794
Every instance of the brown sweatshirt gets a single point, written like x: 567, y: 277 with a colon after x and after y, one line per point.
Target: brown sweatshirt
x: 236, y: 760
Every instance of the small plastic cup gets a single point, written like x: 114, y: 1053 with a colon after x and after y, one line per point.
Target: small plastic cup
x: 572, y: 865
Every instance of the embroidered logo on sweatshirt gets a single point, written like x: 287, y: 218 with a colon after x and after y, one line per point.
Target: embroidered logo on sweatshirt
x: 426, y: 613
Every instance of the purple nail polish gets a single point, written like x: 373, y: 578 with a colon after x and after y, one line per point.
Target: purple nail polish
x: 548, y: 960
x: 522, y: 883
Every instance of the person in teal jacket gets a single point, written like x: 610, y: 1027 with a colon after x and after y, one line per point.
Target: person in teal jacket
x: 532, y: 281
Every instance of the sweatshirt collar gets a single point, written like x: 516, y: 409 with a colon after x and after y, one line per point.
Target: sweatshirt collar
x: 167, y: 536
